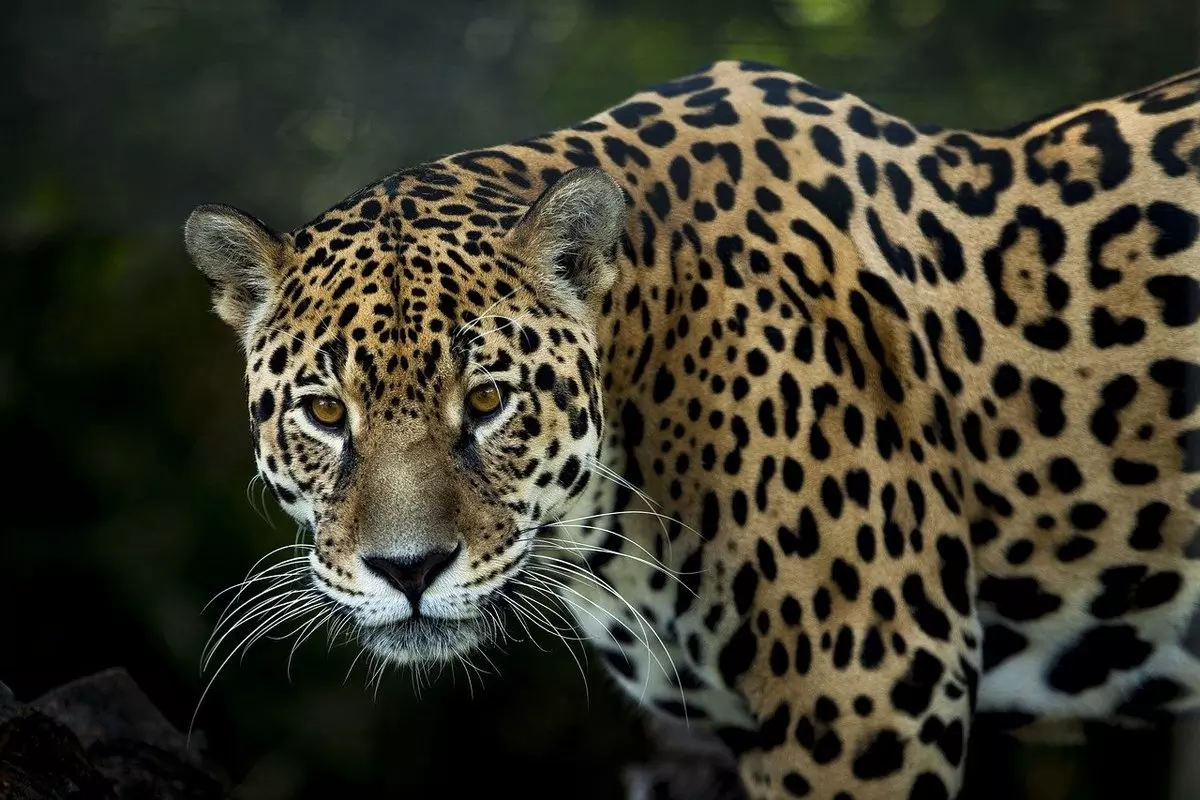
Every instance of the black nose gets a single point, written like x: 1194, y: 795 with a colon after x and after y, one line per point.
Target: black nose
x: 412, y: 575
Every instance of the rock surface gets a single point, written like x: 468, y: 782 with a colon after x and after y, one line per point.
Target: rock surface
x: 98, y: 737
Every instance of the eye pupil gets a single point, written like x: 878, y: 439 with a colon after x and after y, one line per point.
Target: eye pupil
x: 327, y: 411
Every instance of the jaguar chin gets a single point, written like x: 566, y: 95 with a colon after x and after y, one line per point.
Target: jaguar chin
x: 426, y: 639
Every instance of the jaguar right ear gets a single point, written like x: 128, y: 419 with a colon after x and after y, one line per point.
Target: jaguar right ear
x: 572, y: 233
x: 241, y: 258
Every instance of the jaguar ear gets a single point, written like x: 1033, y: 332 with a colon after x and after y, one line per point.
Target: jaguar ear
x: 241, y: 258
x: 572, y: 233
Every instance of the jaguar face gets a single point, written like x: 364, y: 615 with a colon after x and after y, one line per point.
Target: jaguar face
x: 424, y: 387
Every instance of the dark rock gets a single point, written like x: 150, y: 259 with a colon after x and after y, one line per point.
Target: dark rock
x: 687, y: 764
x: 98, y: 737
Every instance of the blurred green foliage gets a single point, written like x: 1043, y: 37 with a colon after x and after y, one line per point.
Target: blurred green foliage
x: 120, y: 395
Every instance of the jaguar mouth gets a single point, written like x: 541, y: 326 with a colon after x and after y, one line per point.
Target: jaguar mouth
x: 423, y: 639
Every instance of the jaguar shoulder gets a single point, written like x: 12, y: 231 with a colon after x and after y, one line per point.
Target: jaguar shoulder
x: 830, y: 430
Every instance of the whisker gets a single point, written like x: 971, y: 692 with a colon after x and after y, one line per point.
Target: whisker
x: 568, y: 568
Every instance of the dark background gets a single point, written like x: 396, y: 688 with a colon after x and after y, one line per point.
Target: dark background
x: 121, y: 406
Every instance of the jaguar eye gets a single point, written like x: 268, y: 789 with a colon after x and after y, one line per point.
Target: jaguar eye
x: 485, y: 401
x: 327, y: 411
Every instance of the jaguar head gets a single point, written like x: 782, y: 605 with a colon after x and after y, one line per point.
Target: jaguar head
x: 424, y: 386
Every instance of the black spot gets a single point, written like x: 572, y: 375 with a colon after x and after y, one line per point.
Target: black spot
x: 1075, y: 548
x: 1065, y: 475
x: 658, y: 200
x: 1179, y: 296
x: 954, y: 569
x: 931, y: 619
x: 1121, y: 221
x: 1087, y: 516
x: 619, y: 663
x: 868, y: 173
x: 778, y: 659
x: 265, y: 407
x: 766, y: 559
x: 772, y: 157
x: 858, y: 487
x: 1006, y: 381
x: 828, y: 145
x: 1019, y: 552
x: 779, y: 127
x: 1008, y: 443
x: 846, y: 578
x: 1001, y: 643
x: 803, y: 657
x: 1133, y: 473
x: 1019, y: 599
x: 1047, y: 401
x: 1101, y: 650
x: 278, y: 360
x: 1189, y: 443
x: 883, y: 604
x: 789, y: 610
x: 1177, y: 228
x: 569, y: 472
x: 1183, y: 379
x: 900, y: 184
x: 974, y: 200
x: 796, y: 785
x: 834, y: 200
x: 873, y: 649
x: 1133, y: 588
x: 843, y: 649
x: 1109, y: 331
x: 983, y: 531
x: 658, y: 134
x: 852, y: 422
x: 882, y: 757
x: 775, y: 730
x: 913, y: 692
x: 1100, y: 132
x: 738, y: 654
x: 680, y: 174
x: 1164, y: 150
x: 970, y: 334
x: 831, y: 497
x: 881, y: 292
x: 745, y: 586
x: 1147, y: 531
x: 862, y: 122
x: 1116, y: 395
x: 631, y: 115
x: 664, y: 384
x: 949, y: 249
x: 827, y: 747
x: 793, y: 474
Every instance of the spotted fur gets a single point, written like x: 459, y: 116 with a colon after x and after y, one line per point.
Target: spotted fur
x: 918, y: 408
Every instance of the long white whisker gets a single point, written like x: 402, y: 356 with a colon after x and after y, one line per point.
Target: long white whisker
x: 547, y: 562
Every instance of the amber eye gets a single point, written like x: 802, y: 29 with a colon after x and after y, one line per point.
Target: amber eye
x: 485, y: 401
x: 327, y: 411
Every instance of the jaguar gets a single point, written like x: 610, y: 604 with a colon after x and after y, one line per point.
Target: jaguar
x: 830, y: 432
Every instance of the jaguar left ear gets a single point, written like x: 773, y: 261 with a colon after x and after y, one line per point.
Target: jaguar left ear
x: 241, y: 258
x: 572, y: 233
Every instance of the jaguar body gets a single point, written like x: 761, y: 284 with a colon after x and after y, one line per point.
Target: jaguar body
x: 831, y: 431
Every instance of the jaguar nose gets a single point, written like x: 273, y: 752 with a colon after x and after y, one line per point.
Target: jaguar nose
x: 412, y: 575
